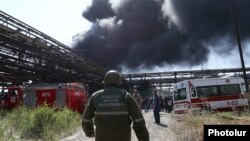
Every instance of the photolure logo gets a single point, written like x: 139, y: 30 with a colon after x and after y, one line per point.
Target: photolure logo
x: 213, y: 132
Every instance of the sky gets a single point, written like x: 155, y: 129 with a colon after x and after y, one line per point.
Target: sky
x: 60, y: 19
x: 163, y: 38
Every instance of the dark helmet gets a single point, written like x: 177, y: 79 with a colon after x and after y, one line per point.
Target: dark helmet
x: 112, y: 77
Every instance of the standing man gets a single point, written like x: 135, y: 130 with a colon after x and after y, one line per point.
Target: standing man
x: 166, y: 103
x: 146, y: 104
x: 170, y: 104
x: 138, y: 98
x: 156, y: 104
x: 113, y: 109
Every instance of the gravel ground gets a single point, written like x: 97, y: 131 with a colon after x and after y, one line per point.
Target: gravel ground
x: 157, y: 132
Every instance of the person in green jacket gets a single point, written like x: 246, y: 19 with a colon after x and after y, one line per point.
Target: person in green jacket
x: 112, y: 109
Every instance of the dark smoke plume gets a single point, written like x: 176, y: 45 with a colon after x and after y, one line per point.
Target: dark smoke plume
x: 152, y: 33
x: 99, y: 9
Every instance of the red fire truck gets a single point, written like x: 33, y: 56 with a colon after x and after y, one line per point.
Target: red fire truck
x: 71, y: 95
x: 217, y: 94
x: 11, y: 97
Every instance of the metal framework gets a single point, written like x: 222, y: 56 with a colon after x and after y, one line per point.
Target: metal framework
x: 28, y: 54
x: 166, y: 79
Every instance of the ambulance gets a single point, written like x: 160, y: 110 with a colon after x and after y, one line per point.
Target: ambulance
x: 214, y: 94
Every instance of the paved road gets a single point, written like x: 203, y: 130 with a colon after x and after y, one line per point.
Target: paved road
x: 157, y: 132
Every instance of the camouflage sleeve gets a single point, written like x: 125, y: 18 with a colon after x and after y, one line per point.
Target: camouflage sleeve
x: 138, y: 120
x: 87, y: 119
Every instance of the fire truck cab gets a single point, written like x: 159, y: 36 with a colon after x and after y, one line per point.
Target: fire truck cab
x: 218, y: 94
x: 11, y: 97
x: 71, y: 95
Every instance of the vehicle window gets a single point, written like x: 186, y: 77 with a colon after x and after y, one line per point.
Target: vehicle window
x: 193, y: 92
x: 4, y: 93
x: 14, y: 93
x: 207, y: 91
x: 230, y: 89
x: 243, y: 87
x: 76, y: 88
x: 175, y: 95
x: 180, y: 94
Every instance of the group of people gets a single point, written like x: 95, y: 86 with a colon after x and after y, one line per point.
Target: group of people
x: 157, y: 103
x: 168, y: 104
x: 147, y: 103
x: 113, y: 109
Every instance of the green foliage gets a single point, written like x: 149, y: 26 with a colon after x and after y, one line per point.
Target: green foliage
x: 42, y: 123
x: 1, y: 127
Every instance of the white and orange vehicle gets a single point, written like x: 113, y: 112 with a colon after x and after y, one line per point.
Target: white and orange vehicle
x: 217, y: 94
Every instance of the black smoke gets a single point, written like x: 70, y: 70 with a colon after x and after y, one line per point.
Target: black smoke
x: 143, y: 33
x: 99, y: 9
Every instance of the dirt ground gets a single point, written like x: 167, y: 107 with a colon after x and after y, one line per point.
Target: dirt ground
x: 157, y: 132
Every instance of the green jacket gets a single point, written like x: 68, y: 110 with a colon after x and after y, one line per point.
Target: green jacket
x: 113, y: 110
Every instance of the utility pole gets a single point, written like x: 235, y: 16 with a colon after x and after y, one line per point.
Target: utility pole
x: 239, y: 44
